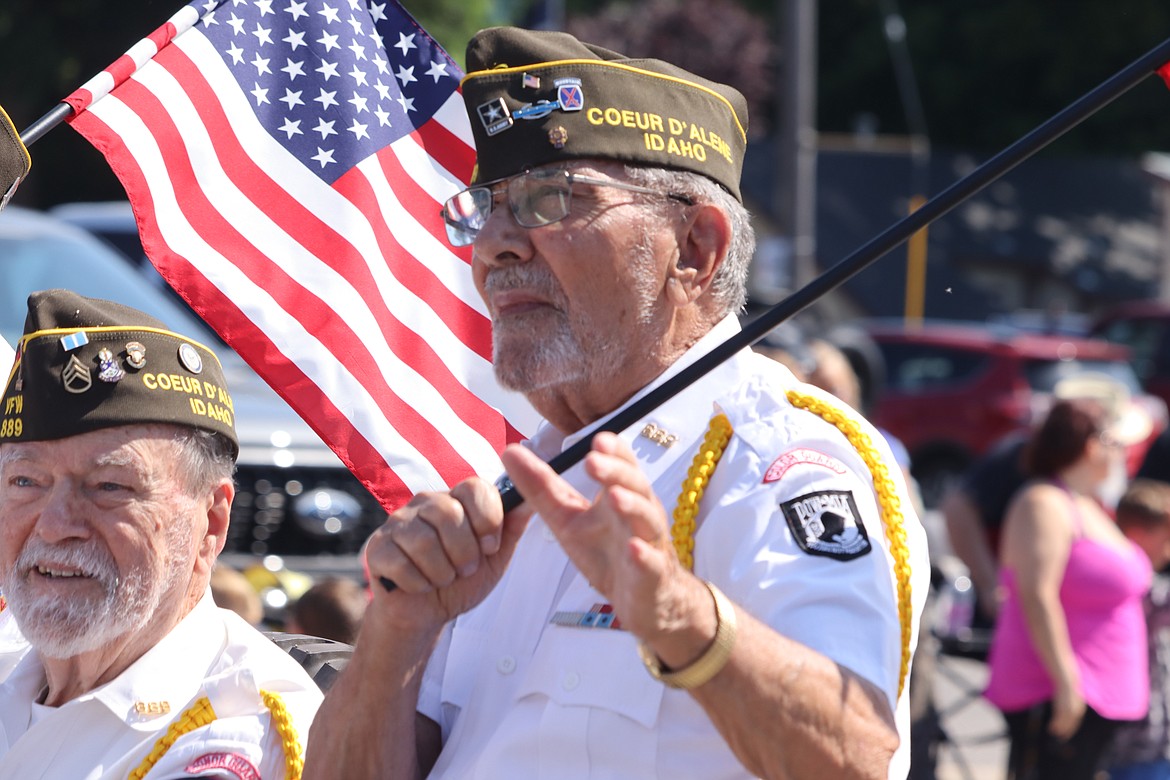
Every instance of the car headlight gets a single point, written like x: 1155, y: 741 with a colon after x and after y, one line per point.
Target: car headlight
x: 327, y: 512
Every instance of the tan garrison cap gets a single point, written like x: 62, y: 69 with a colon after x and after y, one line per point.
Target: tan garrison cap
x: 539, y: 97
x: 84, y: 364
x: 15, y: 161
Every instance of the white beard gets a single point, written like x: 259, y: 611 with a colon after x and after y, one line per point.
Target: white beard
x: 556, y: 347
x: 61, y: 627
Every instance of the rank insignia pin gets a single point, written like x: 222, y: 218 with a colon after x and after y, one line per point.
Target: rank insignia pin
x: 558, y: 137
x: 135, y: 355
x: 75, y: 376
x: 108, y: 368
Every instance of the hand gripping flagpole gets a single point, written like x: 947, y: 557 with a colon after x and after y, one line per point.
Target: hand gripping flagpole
x: 891, y: 237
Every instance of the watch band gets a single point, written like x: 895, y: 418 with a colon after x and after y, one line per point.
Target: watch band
x: 713, y: 659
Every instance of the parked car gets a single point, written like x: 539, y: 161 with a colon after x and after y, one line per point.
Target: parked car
x: 295, y: 499
x: 1144, y: 327
x: 952, y: 390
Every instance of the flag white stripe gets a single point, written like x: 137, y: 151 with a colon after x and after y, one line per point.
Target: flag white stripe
x: 306, y: 352
x: 283, y: 330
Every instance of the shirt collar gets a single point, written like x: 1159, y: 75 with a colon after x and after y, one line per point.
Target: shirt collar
x: 683, y: 414
x: 169, y: 674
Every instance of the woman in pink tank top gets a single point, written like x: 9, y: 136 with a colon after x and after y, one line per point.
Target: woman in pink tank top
x: 1068, y: 658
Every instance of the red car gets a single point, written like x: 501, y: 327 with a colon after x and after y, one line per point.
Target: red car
x: 954, y: 389
x: 1144, y: 327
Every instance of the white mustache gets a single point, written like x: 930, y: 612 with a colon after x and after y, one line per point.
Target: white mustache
x: 90, y: 559
x: 524, y: 276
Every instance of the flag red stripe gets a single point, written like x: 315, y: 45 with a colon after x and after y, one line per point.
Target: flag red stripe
x: 321, y: 241
x: 355, y: 451
x: 408, y: 191
x: 447, y: 149
x: 333, y: 248
x: 299, y: 303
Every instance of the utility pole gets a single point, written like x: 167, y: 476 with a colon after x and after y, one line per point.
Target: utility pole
x: 796, y: 189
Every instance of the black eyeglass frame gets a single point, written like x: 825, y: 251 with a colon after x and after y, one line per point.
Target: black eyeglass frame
x: 461, y: 234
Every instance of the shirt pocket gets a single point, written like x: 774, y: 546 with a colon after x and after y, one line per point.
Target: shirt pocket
x: 597, y: 696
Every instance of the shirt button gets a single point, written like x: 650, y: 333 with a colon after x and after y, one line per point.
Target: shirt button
x: 570, y: 681
x: 506, y: 665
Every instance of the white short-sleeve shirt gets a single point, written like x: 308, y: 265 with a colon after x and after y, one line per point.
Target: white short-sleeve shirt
x: 536, y: 682
x: 109, y: 731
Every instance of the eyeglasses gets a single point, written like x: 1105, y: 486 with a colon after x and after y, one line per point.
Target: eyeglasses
x: 537, y: 198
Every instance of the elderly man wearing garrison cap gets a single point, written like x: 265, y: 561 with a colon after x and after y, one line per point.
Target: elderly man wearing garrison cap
x: 117, y: 446
x: 730, y: 587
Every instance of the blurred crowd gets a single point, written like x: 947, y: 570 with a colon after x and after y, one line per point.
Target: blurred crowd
x: 273, y: 598
x: 1062, y: 537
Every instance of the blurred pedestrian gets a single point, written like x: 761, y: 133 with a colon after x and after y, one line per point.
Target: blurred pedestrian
x: 331, y: 609
x: 231, y: 590
x: 1068, y: 657
x: 1141, y: 750
x: 975, y: 507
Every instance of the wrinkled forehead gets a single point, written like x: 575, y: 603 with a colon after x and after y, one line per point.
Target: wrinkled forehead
x: 141, y: 447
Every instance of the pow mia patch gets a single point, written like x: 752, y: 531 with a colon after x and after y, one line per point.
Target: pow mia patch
x: 827, y: 523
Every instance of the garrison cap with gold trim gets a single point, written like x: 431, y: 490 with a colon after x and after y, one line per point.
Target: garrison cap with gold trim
x: 85, y: 364
x: 539, y: 97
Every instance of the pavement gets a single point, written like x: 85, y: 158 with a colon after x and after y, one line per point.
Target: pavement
x: 976, y: 748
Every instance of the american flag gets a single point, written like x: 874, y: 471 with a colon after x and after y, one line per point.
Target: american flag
x: 286, y: 161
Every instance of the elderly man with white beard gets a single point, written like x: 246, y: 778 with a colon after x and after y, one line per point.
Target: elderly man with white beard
x: 729, y: 588
x: 117, y: 448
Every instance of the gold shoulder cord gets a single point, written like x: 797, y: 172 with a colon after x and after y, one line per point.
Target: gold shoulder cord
x: 682, y: 531
x: 201, y: 713
x: 703, y: 466
x: 891, y: 508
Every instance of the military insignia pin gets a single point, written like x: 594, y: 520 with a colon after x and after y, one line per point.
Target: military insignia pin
x: 135, y: 355
x: 570, y: 97
x: 108, y: 368
x: 558, y: 137
x: 190, y: 359
x: 74, y: 340
x: 529, y: 81
x: 495, y: 116
x: 75, y: 376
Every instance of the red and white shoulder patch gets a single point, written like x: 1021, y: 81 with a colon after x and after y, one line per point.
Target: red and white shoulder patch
x: 239, y: 766
x: 802, y: 456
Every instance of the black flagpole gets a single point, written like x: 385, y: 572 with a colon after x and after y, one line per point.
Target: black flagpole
x: 891, y: 237
x: 991, y: 170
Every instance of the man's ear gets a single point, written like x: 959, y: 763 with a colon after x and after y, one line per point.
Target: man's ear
x: 704, y: 239
x: 219, y: 512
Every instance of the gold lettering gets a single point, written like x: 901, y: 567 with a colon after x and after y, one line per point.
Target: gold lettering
x: 654, y: 142
x: 594, y: 116
x: 613, y: 116
x: 197, y: 406
x: 149, y: 381
x: 676, y: 127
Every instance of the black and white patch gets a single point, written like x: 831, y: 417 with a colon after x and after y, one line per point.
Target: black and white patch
x: 827, y: 523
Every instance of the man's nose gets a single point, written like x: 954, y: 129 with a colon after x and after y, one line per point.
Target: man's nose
x: 63, y: 515
x: 501, y: 240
